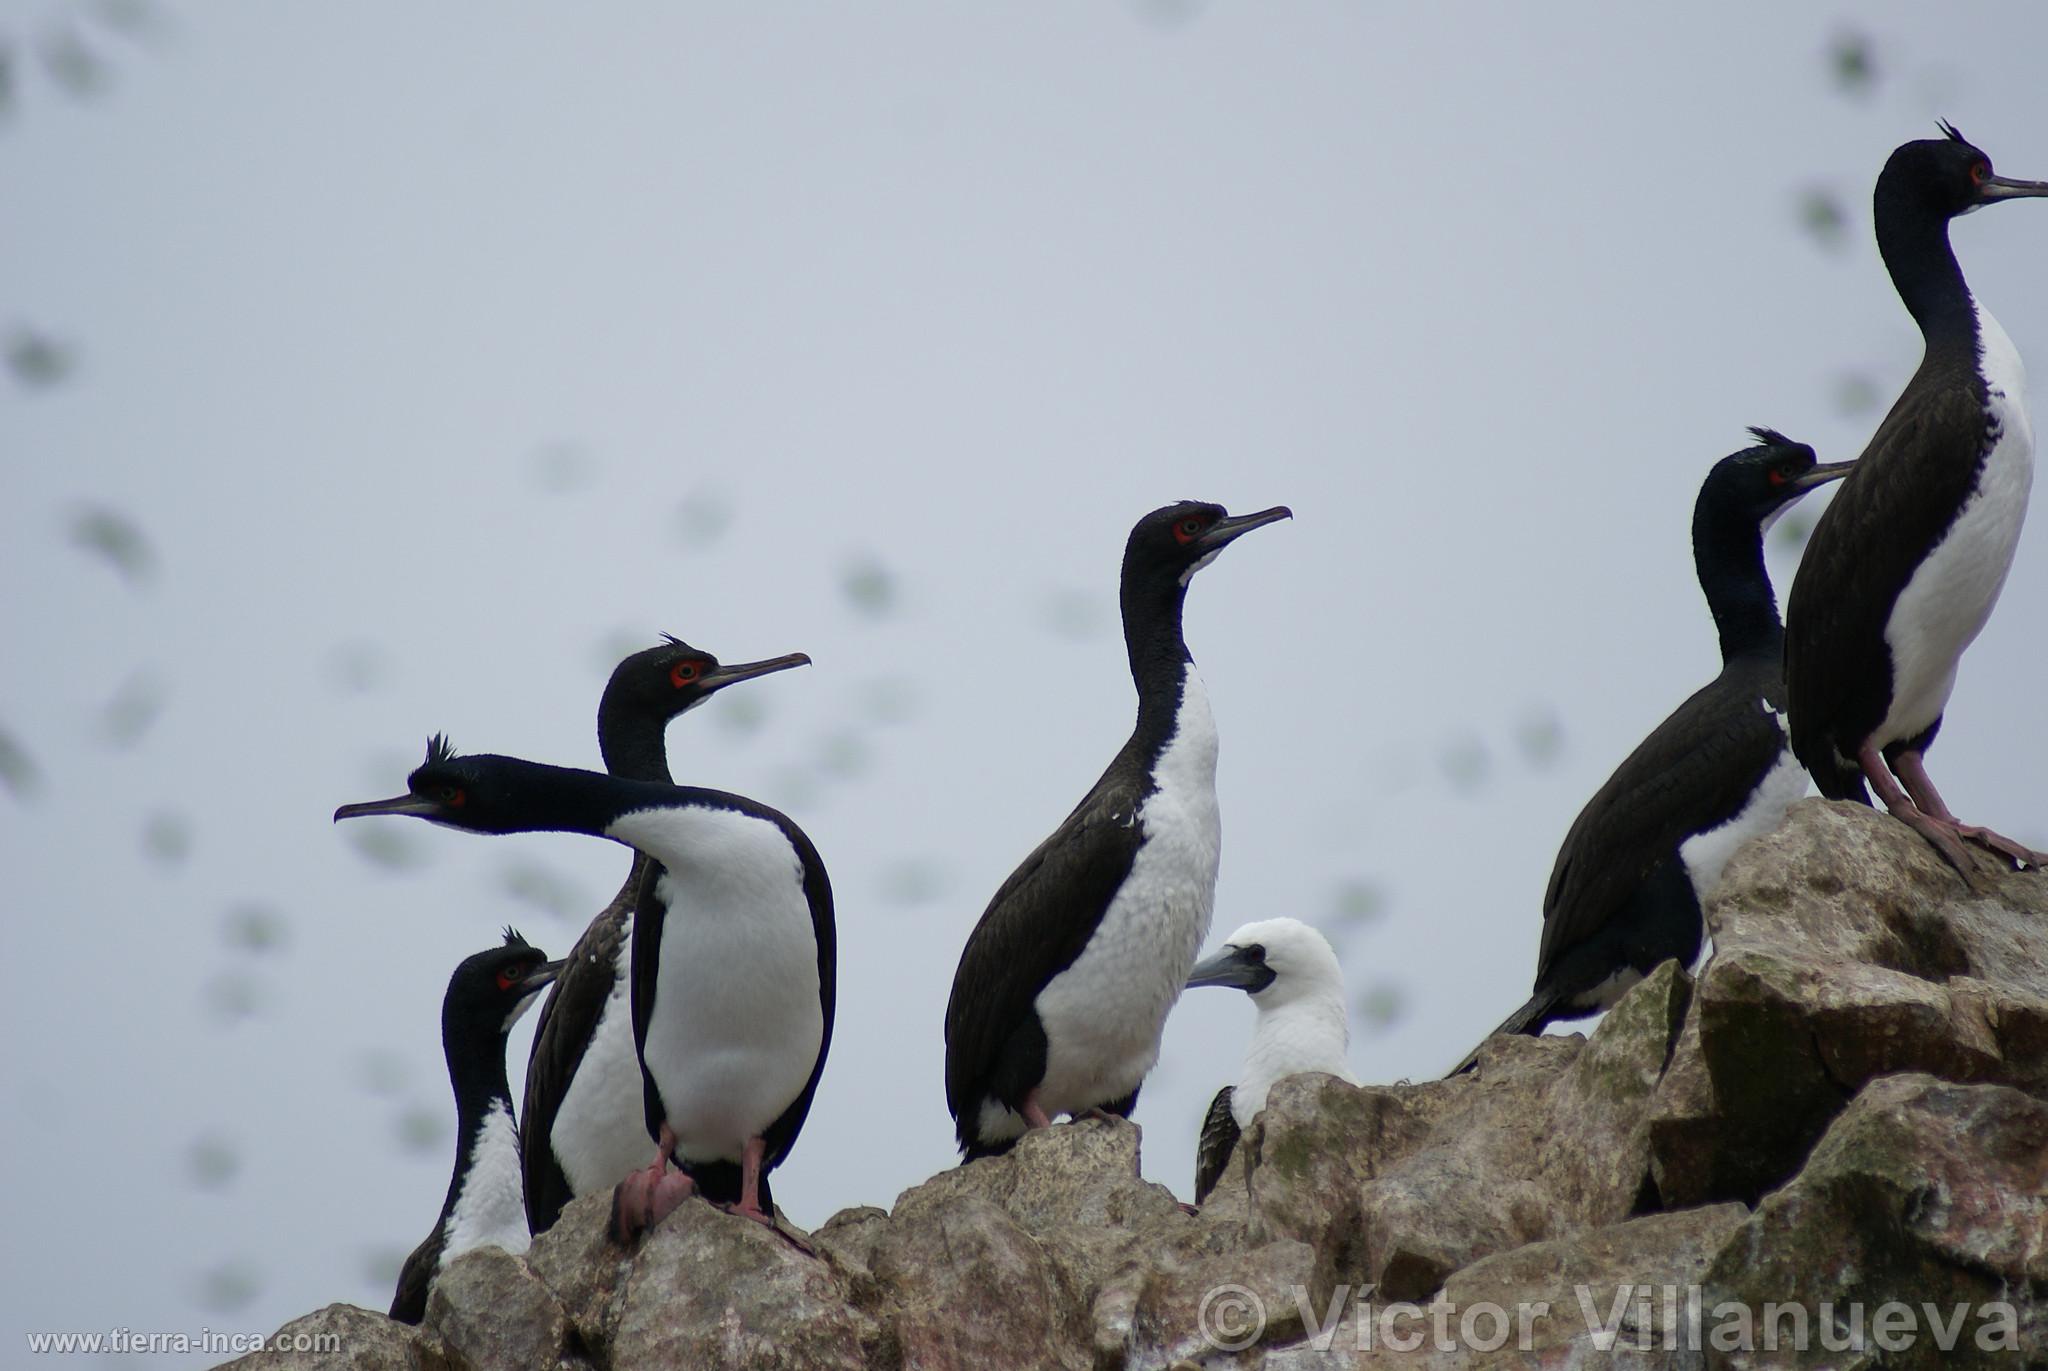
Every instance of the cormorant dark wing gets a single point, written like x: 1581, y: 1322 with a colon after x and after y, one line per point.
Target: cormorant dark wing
x: 568, y: 1020
x: 1894, y: 506
x: 409, y: 1303
x: 1695, y: 771
x: 1034, y: 927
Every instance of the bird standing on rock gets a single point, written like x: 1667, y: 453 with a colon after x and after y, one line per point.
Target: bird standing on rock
x: 1906, y: 563
x: 1641, y: 858
x: 586, y: 1108
x: 1292, y: 975
x: 1063, y: 989
x: 486, y: 996
x: 734, y: 955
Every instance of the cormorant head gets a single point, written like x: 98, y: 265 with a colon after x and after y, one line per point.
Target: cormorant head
x: 492, y: 989
x: 1174, y: 542
x: 662, y: 682
x: 1759, y: 483
x: 1949, y: 176
x: 476, y: 793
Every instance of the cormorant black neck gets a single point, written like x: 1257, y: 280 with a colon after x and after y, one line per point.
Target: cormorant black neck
x: 1912, y: 236
x: 1728, y: 554
x: 1158, y: 654
x: 476, y: 1070
x: 633, y: 741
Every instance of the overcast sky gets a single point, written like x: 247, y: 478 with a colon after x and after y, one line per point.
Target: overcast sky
x: 384, y: 369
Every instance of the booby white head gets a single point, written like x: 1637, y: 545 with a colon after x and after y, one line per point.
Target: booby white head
x: 1292, y: 975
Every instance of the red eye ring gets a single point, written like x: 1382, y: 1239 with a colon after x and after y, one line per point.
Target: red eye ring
x: 1189, y: 529
x: 684, y: 674
x: 1978, y: 171
x: 454, y: 796
x: 506, y: 980
x: 1777, y: 477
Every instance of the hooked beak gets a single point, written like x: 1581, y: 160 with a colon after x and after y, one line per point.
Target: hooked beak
x: 1995, y: 188
x: 1234, y: 968
x: 1820, y: 475
x: 720, y: 676
x: 398, y: 804
x: 543, y: 976
x: 1227, y: 530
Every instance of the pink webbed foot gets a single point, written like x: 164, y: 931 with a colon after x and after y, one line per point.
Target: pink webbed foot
x: 2019, y: 854
x: 1940, y: 833
x: 669, y: 1193
x: 633, y: 1202
x: 1911, y: 769
x: 634, y: 1198
x: 752, y: 1157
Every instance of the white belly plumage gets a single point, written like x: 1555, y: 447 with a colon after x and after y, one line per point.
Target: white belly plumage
x: 600, y: 1131
x: 491, y: 1209
x: 1950, y: 596
x: 736, y: 1024
x: 1103, y: 1015
x: 1706, y: 854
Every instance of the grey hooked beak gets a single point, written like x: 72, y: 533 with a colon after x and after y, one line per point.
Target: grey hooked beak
x: 1994, y: 188
x: 1820, y: 475
x: 1233, y: 967
x: 542, y: 977
x: 1226, y: 530
x: 415, y: 805
x: 725, y: 675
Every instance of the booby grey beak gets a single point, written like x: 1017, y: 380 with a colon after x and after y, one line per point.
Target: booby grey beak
x: 1995, y: 188
x: 1240, y: 968
x: 725, y: 675
x: 1227, y: 530
x: 1820, y: 475
x: 415, y: 805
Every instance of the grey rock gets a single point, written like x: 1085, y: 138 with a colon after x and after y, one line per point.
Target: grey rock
x: 769, y: 1307
x: 491, y: 1310
x: 1844, y: 950
x: 1923, y: 1191
x: 345, y: 1337
x: 583, y: 1269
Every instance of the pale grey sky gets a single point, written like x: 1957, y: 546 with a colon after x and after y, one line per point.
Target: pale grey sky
x: 441, y: 354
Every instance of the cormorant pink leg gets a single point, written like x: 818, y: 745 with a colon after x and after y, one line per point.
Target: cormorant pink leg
x: 1034, y: 1113
x: 750, y: 1182
x: 1942, y: 836
x: 1912, y: 770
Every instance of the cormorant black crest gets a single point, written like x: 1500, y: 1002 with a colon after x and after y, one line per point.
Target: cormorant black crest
x: 439, y: 749
x: 1770, y: 437
x: 514, y: 939
x: 1955, y: 134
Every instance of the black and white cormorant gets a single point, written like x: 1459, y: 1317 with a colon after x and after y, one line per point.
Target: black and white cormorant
x: 586, y: 1109
x: 733, y: 957
x: 1291, y: 972
x: 486, y: 996
x: 1063, y: 989
x: 1641, y: 858
x: 1908, y: 559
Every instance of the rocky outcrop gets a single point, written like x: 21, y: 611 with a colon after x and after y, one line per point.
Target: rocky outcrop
x: 1831, y: 1150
